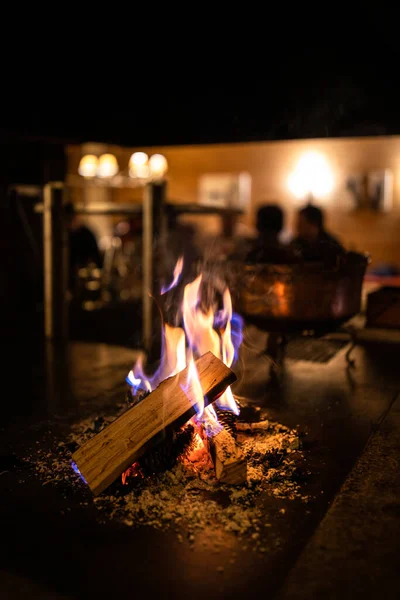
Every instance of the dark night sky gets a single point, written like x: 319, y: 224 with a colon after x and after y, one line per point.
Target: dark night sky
x: 327, y: 73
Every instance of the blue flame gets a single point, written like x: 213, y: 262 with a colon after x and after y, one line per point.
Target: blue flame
x: 133, y: 381
x: 236, y: 329
x: 212, y: 426
x: 236, y: 333
x: 77, y: 471
x: 219, y: 319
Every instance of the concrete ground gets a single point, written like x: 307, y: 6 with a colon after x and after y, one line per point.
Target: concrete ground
x: 354, y: 553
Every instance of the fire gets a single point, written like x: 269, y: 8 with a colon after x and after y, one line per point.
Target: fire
x: 197, y: 449
x: 177, y: 273
x: 133, y: 471
x: 193, y: 389
x: 173, y: 360
x: 204, y: 329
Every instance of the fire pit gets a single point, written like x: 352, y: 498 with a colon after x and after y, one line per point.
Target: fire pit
x: 302, y: 296
x: 173, y: 444
x: 287, y: 300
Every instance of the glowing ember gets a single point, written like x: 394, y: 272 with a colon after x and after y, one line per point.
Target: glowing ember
x: 198, y: 454
x: 133, y: 471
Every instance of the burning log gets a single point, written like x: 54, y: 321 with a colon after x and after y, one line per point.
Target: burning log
x: 229, y: 462
x: 106, y: 456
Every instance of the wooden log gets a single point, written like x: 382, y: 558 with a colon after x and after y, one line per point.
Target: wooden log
x: 229, y: 462
x: 107, y: 455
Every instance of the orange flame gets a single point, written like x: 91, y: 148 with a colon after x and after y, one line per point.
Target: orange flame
x: 173, y: 360
x: 201, y: 337
x: 193, y: 389
x: 227, y: 400
x: 177, y: 273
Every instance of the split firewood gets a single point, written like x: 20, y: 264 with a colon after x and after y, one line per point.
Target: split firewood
x: 229, y: 461
x: 107, y: 455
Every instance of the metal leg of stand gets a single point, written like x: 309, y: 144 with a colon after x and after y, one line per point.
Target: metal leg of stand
x: 351, y: 363
x: 282, y: 348
x: 153, y: 228
x: 55, y: 256
x: 55, y: 249
x: 275, y: 349
x: 147, y: 262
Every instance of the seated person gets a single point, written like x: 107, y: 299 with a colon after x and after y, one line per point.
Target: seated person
x: 313, y: 242
x: 268, y: 248
x: 83, y: 248
x: 237, y: 239
x: 180, y: 240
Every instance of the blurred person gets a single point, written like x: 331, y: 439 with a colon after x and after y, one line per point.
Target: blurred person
x: 268, y: 248
x: 83, y: 247
x: 313, y: 242
x: 181, y: 238
x: 236, y: 238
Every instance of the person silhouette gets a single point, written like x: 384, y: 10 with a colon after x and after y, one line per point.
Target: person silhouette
x: 268, y: 248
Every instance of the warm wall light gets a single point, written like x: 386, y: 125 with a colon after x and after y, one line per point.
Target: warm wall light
x: 158, y: 166
x: 88, y: 165
x: 312, y: 176
x: 108, y: 166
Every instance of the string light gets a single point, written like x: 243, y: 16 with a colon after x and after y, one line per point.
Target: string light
x: 140, y: 166
x: 88, y: 165
x: 108, y: 166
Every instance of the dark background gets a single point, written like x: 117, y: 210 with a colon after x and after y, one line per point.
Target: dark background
x: 267, y: 73
x: 320, y: 70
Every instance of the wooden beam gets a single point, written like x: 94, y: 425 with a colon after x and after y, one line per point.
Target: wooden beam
x: 107, y: 455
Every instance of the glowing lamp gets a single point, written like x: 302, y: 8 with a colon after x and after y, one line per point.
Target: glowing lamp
x: 138, y: 159
x: 138, y: 165
x: 108, y: 166
x: 311, y: 176
x: 158, y: 166
x: 88, y: 165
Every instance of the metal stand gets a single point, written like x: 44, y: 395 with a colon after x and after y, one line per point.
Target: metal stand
x: 55, y: 248
x: 351, y: 363
x: 154, y: 225
x: 55, y: 237
x: 276, y: 345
